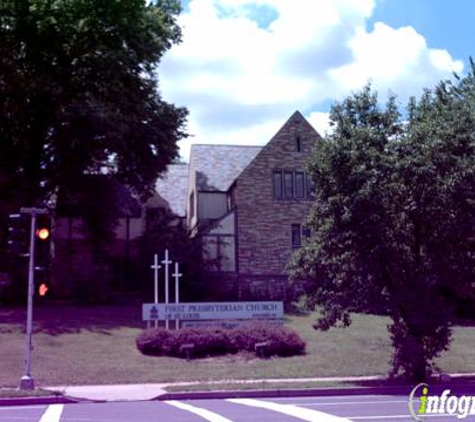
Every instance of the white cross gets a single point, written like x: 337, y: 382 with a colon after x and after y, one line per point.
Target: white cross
x: 155, y: 267
x: 177, y: 276
x: 166, y: 262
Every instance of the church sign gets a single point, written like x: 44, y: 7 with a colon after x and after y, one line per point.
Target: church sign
x: 206, y: 311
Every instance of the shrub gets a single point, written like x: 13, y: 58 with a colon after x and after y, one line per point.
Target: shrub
x: 151, y: 341
x: 159, y: 341
x: 282, y: 341
x: 208, y: 341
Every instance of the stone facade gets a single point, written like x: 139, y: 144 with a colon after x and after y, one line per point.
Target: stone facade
x: 247, y: 206
x: 264, y: 222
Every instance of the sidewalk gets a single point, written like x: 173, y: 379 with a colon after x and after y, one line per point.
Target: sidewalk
x: 141, y: 392
x: 134, y: 392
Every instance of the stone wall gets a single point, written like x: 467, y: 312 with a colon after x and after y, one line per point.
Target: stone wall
x: 264, y: 223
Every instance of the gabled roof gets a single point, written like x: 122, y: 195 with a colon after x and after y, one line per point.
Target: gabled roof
x: 217, y: 166
x: 173, y: 188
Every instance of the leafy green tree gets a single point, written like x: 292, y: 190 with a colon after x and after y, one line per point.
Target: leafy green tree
x: 79, y: 94
x: 393, y: 218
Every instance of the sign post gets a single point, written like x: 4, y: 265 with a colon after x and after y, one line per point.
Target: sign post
x: 155, y: 267
x: 27, y: 382
x: 166, y: 262
x: 177, y: 276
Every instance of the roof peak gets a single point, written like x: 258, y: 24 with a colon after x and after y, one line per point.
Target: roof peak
x: 297, y: 113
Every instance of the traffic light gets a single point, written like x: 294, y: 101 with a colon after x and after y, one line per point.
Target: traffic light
x: 18, y: 235
x: 43, y: 242
x: 43, y: 289
x: 43, y: 233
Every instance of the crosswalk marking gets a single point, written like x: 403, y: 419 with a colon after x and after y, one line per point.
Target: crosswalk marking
x: 351, y: 403
x: 303, y: 413
x: 204, y: 413
x: 389, y: 417
x: 53, y: 413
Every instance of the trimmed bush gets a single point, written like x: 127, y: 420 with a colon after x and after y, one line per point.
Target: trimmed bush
x: 208, y: 341
x: 282, y: 341
x: 151, y: 342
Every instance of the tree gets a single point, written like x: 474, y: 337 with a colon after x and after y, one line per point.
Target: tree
x: 393, y: 218
x: 79, y: 95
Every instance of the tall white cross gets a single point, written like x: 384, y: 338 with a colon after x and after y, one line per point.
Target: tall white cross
x: 166, y: 262
x: 155, y: 267
x: 177, y: 276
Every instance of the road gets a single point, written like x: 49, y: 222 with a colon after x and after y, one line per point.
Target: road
x: 319, y: 409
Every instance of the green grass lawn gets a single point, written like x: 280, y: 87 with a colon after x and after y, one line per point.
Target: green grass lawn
x: 96, y: 345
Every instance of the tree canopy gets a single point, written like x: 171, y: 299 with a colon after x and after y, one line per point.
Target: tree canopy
x: 79, y: 94
x: 392, y: 224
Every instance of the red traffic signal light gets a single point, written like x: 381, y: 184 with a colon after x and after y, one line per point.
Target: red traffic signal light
x: 43, y: 237
x: 42, y: 233
x: 43, y: 289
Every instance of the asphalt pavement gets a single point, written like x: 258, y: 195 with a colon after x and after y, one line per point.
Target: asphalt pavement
x: 151, y: 402
x: 365, y: 408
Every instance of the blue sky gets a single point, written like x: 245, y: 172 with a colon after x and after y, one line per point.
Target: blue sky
x: 245, y: 66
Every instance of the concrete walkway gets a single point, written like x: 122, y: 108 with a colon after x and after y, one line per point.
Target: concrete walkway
x: 137, y: 392
x: 125, y: 392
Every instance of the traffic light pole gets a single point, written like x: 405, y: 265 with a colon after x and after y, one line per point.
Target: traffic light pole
x: 27, y: 382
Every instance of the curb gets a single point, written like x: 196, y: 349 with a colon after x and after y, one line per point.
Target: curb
x: 46, y: 400
x: 202, y: 395
x: 458, y: 387
x: 321, y: 392
x: 403, y: 390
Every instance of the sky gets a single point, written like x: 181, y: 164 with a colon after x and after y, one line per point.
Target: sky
x: 244, y: 66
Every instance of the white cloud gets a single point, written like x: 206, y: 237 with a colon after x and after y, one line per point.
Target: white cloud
x: 442, y: 60
x: 395, y: 59
x: 241, y: 79
x: 320, y: 121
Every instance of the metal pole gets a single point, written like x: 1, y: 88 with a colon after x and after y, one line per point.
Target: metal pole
x: 166, y: 262
x: 27, y: 382
x: 177, y: 276
x: 155, y: 276
x: 155, y: 268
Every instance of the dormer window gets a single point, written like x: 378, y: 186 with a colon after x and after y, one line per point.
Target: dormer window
x: 298, y: 144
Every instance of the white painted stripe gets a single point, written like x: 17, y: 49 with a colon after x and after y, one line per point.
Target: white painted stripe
x: 17, y: 407
x: 53, y: 413
x: 381, y: 417
x: 399, y: 417
x: 339, y: 398
x: 291, y: 410
x: 390, y: 417
x: 204, y: 413
x: 344, y: 403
